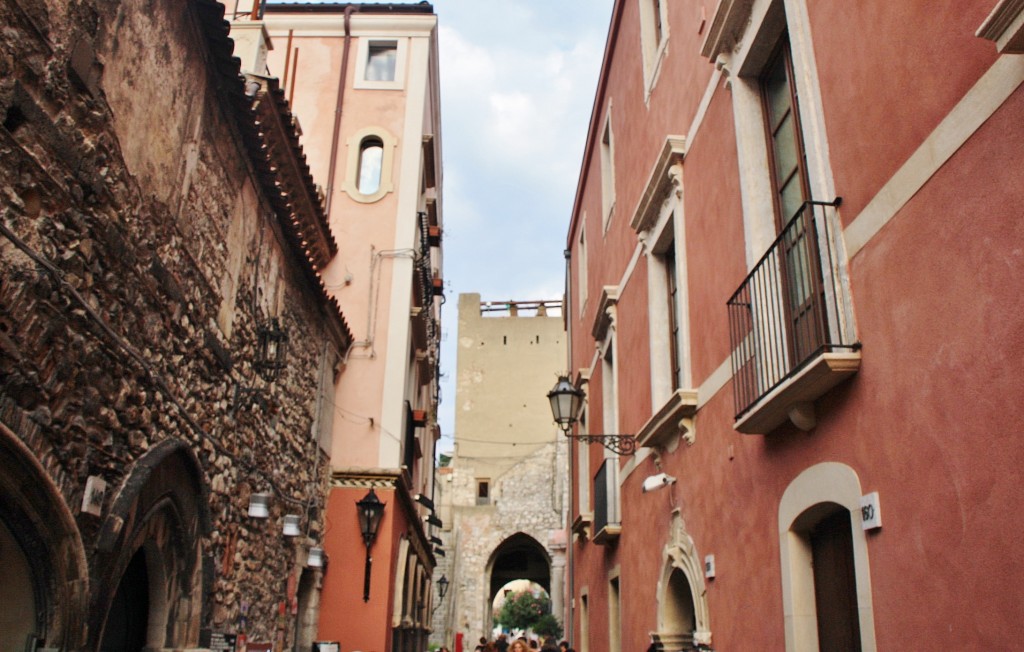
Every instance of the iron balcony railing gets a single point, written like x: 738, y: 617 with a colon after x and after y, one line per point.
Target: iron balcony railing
x: 606, y: 495
x: 784, y: 313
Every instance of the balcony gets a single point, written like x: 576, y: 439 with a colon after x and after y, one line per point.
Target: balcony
x: 787, y: 347
x: 607, y: 522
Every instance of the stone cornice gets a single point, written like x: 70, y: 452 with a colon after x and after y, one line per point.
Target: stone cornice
x: 727, y: 24
x: 658, y: 183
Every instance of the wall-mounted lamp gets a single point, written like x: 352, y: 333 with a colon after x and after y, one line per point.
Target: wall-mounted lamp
x: 370, y: 512
x: 316, y: 557
x: 442, y: 587
x: 259, y: 506
x: 272, y: 346
x: 566, y: 400
x: 291, y: 525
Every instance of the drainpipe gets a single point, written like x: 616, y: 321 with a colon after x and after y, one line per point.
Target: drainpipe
x: 332, y: 169
x: 567, y: 312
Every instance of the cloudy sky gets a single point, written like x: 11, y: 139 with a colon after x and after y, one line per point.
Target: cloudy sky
x: 517, y: 85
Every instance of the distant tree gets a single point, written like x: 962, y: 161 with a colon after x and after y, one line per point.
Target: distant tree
x: 523, y: 611
x: 444, y: 460
x: 548, y: 625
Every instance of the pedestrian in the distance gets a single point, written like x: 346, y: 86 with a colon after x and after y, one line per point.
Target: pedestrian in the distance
x: 518, y: 645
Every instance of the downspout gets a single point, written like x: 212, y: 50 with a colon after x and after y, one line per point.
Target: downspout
x: 336, y: 135
x: 570, y: 604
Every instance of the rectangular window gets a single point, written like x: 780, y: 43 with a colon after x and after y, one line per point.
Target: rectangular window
x: 583, y: 479
x: 672, y: 287
x: 609, y: 392
x: 787, y: 159
x: 614, y: 617
x: 653, y: 40
x: 584, y: 623
x: 607, y: 171
x: 581, y: 265
x: 381, y: 61
x: 483, y: 492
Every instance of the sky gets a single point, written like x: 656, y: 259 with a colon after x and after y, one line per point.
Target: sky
x: 517, y: 85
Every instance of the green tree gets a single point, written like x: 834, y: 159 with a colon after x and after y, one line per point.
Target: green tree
x: 548, y: 625
x: 524, y: 611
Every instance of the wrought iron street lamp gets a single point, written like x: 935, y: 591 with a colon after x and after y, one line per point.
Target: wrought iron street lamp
x: 566, y: 400
x: 370, y: 512
x: 442, y: 587
x: 272, y: 347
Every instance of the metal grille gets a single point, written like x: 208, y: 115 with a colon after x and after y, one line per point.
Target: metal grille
x: 780, y: 317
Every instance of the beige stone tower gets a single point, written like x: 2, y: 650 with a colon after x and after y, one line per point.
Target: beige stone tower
x: 504, y: 497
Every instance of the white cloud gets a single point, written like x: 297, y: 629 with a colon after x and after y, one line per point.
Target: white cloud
x: 517, y: 85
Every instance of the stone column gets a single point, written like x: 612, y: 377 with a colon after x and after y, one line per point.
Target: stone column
x: 558, y: 584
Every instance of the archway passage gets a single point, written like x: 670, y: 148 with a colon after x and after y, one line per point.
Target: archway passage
x: 148, y: 555
x: 18, y: 618
x: 519, y: 557
x: 128, y: 618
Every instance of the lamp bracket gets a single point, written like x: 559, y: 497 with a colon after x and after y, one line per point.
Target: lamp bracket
x: 621, y: 444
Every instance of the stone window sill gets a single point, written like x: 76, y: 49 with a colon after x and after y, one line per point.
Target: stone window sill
x: 608, y: 534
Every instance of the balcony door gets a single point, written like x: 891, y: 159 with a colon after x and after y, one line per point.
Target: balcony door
x: 799, y: 265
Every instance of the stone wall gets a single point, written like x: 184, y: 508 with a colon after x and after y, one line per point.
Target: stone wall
x: 528, y: 500
x: 138, y: 259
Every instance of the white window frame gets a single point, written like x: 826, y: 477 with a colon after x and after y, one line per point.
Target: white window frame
x: 355, y: 143
x: 584, y: 479
x: 652, y: 48
x: 363, y: 55
x: 581, y: 264
x: 615, y: 611
x: 607, y: 148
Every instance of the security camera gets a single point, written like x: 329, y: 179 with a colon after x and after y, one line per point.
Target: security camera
x: 658, y: 481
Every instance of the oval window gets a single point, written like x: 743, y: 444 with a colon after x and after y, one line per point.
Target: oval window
x: 371, y: 156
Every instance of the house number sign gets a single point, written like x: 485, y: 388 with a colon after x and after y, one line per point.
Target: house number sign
x: 870, y: 511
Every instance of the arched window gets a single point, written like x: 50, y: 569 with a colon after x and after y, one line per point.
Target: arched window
x: 371, y: 154
x: 371, y: 158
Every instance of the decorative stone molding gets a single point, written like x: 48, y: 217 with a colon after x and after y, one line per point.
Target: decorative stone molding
x: 681, y: 554
x: 1005, y: 26
x: 666, y: 175
x: 605, y: 317
x: 727, y: 26
x: 674, y: 420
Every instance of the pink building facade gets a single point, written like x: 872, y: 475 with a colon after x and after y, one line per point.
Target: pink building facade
x: 364, y: 86
x: 795, y: 262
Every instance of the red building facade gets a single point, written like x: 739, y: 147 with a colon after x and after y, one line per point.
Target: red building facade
x: 793, y: 276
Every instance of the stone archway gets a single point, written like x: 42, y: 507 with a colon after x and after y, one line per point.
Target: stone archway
x: 518, y: 557
x: 150, y: 543
x: 42, y: 559
x: 683, y: 616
